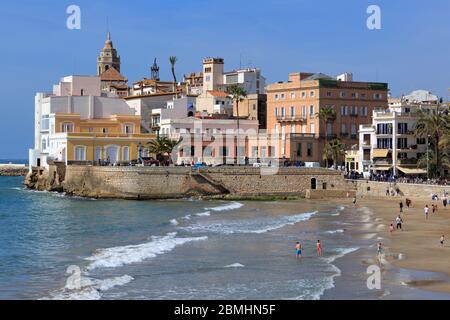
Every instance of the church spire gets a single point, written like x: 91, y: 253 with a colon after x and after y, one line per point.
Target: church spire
x: 108, y: 57
x: 155, y: 71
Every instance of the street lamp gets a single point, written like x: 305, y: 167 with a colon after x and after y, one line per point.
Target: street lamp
x: 428, y: 156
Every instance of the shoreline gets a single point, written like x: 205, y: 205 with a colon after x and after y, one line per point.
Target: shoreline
x: 13, y: 170
x: 416, y: 249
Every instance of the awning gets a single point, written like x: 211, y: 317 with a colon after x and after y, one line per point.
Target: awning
x: 382, y: 168
x: 412, y: 170
x: 380, y: 153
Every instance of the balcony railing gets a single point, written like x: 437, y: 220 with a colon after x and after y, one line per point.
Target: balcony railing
x: 287, y: 118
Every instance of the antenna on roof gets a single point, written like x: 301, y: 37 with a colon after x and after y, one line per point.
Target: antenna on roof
x: 240, y: 60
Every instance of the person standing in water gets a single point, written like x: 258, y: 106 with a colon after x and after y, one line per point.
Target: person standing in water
x: 298, y: 250
x: 319, y: 248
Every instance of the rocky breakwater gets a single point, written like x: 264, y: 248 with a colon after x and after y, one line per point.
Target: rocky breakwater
x: 13, y: 170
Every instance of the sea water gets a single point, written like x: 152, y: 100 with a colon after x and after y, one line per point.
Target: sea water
x: 183, y: 249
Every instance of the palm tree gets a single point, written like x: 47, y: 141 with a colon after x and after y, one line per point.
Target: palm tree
x: 328, y: 115
x: 435, y: 125
x: 172, y: 145
x: 158, y: 147
x: 334, y: 150
x: 237, y: 94
x: 173, y: 60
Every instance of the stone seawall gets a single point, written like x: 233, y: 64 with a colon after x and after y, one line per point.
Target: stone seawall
x: 181, y: 182
x: 13, y: 170
x: 372, y: 189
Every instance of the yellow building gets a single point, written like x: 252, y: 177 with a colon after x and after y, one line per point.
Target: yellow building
x: 77, y: 124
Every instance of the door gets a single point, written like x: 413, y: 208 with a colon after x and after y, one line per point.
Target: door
x: 112, y: 154
x: 313, y: 184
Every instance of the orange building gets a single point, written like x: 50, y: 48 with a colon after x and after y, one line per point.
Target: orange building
x: 293, y: 107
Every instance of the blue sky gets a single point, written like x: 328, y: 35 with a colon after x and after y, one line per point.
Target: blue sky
x: 411, y: 50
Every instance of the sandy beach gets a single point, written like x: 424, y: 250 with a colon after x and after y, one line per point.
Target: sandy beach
x: 417, y: 246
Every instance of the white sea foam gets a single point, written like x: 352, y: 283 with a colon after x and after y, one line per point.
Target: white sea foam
x: 119, y: 256
x: 204, y: 214
x: 90, y: 289
x: 257, y: 226
x: 174, y: 222
x: 335, y: 231
x: 226, y: 207
x: 341, y: 252
x: 235, y: 265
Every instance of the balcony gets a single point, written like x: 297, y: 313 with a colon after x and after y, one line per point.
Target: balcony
x: 329, y: 136
x: 291, y: 118
x: 407, y: 161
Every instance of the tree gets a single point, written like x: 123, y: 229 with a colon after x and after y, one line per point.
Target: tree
x: 173, y: 60
x: 237, y: 94
x: 334, y: 150
x: 328, y: 115
x: 434, y: 124
x: 162, y: 146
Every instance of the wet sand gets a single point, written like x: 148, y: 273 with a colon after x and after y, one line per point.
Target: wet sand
x: 417, y: 246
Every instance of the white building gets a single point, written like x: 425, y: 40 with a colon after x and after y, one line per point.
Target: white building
x: 76, y: 105
x: 389, y: 145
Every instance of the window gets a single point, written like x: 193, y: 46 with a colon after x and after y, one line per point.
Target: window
x: 254, y: 106
x: 105, y: 130
x: 303, y: 94
x: 364, y: 111
x: 293, y: 128
x: 311, y: 111
x: 292, y: 111
x: 254, y: 152
x: 344, y: 128
x: 384, y: 143
x: 126, y: 154
x: 276, y: 96
x: 363, y: 95
x: 128, y: 128
x: 80, y: 153
x: 402, y: 143
x: 67, y: 127
x: 304, y: 111
x: 353, y: 129
x: 208, y: 70
x: 312, y: 93
x: 263, y: 152
x: 384, y: 128
x: 402, y: 128
x: 44, y: 144
x: 312, y: 128
x: 344, y: 110
x: 98, y: 153
x: 292, y: 95
x: 309, y: 149
x: 282, y: 112
x: 299, y: 149
x: 282, y: 96
x: 354, y: 110
x: 342, y: 94
x: 303, y: 128
x: 329, y: 128
x: 377, y: 96
x: 328, y: 94
x: 45, y: 122
x: 276, y: 112
x: 208, y: 78
x: 421, y: 141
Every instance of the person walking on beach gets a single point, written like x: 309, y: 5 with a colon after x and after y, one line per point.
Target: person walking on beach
x: 319, y: 248
x: 442, y: 241
x: 391, y: 229
x: 298, y: 250
x: 399, y: 222
x: 444, y: 202
x: 387, y: 192
x: 401, y: 206
x: 379, y: 249
x: 408, y: 202
x: 354, y: 201
x: 426, y: 210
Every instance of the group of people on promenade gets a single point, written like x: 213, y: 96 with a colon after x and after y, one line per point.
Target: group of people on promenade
x: 299, y: 249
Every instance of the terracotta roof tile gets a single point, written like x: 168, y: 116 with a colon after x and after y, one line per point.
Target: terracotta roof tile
x: 217, y: 93
x: 112, y: 75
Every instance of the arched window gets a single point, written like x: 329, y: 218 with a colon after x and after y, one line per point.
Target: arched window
x: 106, y: 68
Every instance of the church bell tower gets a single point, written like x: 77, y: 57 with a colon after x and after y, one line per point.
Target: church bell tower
x: 108, y: 57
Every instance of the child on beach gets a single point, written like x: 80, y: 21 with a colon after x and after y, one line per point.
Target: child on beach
x: 319, y: 248
x: 298, y: 250
x: 426, y: 210
x: 391, y: 228
x: 442, y: 240
x: 379, y: 249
